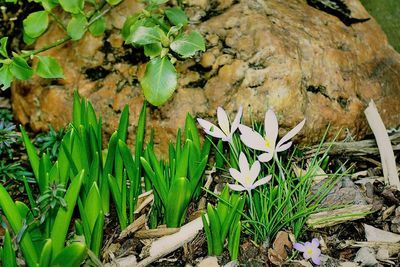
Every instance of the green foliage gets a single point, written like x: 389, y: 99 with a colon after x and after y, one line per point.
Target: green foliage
x: 49, y: 68
x: 50, y: 142
x: 159, y: 81
x: 8, y: 137
x: 222, y: 220
x: 159, y: 30
x: 163, y: 38
x: 176, y: 181
x: 36, y: 24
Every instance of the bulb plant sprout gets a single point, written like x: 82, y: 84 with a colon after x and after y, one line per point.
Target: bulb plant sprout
x: 177, y: 181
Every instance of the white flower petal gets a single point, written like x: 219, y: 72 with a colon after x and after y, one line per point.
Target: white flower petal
x: 291, y: 133
x: 271, y: 127
x: 236, y: 175
x: 211, y: 129
x: 265, y: 157
x: 243, y: 163
x: 261, y: 181
x: 236, y: 187
x: 284, y: 147
x: 254, y: 171
x: 299, y: 247
x: 251, y: 138
x: 223, y: 120
x: 236, y: 122
x: 315, y: 242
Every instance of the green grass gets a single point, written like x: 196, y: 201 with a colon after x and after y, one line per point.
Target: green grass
x: 387, y: 14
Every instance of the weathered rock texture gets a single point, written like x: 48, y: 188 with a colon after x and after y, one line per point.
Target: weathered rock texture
x: 275, y: 54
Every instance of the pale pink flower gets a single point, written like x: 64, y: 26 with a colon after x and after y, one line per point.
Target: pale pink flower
x: 247, y: 176
x: 225, y: 131
x: 267, y: 143
x: 310, y: 250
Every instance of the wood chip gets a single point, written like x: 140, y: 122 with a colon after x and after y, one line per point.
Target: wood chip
x: 384, y: 145
x: 133, y: 227
x: 338, y: 216
x: 155, y: 233
x: 278, y: 253
x: 392, y: 248
x: 149, y: 199
x: 168, y: 244
x: 378, y: 235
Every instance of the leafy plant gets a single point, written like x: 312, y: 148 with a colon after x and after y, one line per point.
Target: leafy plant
x: 6, y: 115
x: 222, y: 220
x: 8, y: 137
x: 14, y: 172
x: 177, y: 181
x: 50, y: 142
x: 161, y: 34
x: 159, y: 30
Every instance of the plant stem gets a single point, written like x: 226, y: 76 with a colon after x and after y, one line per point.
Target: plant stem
x: 47, y: 47
x: 66, y: 38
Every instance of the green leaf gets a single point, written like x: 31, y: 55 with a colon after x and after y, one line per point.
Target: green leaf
x: 71, y: 256
x: 113, y: 2
x: 207, y: 231
x: 72, y: 6
x: 98, y: 27
x: 32, y: 155
x: 6, y: 76
x: 178, y: 199
x: 49, y: 68
x: 76, y: 27
x: 45, y: 255
x: 176, y: 16
x: 14, y: 218
x: 28, y: 40
x: 21, y: 69
x: 153, y: 50
x: 93, y: 205
x: 8, y: 258
x: 144, y: 35
x: 159, y: 81
x: 188, y: 45
x: 63, y: 217
x: 157, y: 2
x: 97, y: 235
x: 49, y: 4
x: 3, y: 47
x: 36, y: 24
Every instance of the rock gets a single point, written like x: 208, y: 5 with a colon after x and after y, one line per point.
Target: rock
x: 285, y: 55
x: 366, y: 257
x: 209, y: 262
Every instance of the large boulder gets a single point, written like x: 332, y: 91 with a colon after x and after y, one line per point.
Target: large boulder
x: 285, y: 55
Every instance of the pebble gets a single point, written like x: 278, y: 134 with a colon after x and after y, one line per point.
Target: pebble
x: 366, y: 257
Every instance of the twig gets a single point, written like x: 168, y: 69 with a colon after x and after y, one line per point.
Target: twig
x: 385, y: 148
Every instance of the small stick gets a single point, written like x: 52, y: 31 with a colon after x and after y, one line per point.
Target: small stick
x: 385, y: 148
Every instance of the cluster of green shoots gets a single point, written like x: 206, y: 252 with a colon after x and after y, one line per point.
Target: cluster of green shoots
x: 158, y: 29
x: 63, y: 224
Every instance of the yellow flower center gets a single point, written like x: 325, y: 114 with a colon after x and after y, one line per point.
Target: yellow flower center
x: 247, y: 180
x: 310, y: 252
x: 267, y: 143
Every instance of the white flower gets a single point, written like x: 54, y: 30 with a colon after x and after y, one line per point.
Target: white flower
x: 223, y: 131
x: 247, y: 176
x: 267, y: 143
x: 310, y: 250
